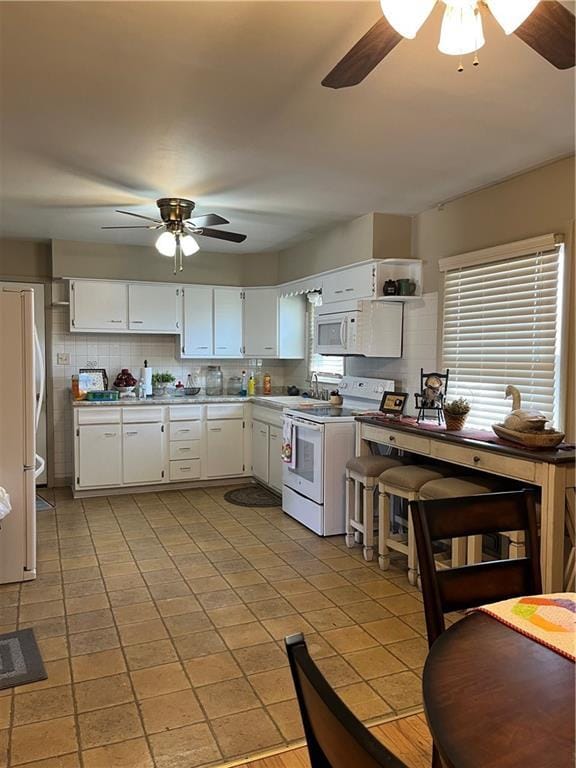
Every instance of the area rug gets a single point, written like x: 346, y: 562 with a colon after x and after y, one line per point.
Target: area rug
x: 252, y: 496
x: 20, y: 659
x: 42, y: 505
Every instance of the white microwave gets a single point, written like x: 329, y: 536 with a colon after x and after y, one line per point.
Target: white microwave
x: 371, y: 329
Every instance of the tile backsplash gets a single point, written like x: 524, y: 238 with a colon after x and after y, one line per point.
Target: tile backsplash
x: 116, y: 351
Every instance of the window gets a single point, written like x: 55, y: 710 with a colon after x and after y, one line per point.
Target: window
x: 502, y: 325
x: 328, y: 367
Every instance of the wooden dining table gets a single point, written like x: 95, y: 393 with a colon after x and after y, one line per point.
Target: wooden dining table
x: 495, y: 698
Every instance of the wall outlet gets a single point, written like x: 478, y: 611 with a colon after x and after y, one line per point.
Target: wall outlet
x: 63, y: 358
x: 259, y: 363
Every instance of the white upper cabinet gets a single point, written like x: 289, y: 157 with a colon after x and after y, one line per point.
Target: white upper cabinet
x: 227, y: 322
x: 261, y: 322
x: 354, y: 283
x: 98, y: 306
x: 291, y: 327
x: 154, y: 308
x: 198, y: 336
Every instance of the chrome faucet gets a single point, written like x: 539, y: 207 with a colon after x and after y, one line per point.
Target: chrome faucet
x: 315, y: 385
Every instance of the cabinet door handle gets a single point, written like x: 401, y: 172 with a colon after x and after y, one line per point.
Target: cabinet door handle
x: 185, y: 469
x: 131, y: 434
x: 221, y: 347
x: 137, y: 322
x: 109, y: 434
x: 340, y: 291
x: 349, y: 289
x: 115, y: 321
x: 268, y: 347
x: 201, y: 347
x: 184, y: 449
x: 215, y: 429
x: 183, y: 430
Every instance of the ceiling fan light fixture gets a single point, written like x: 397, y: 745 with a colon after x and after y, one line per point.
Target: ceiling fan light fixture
x: 407, y: 16
x: 510, y: 15
x: 189, y: 245
x: 461, y: 31
x: 166, y: 244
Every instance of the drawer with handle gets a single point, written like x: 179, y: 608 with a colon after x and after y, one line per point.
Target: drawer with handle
x: 98, y: 415
x: 397, y: 439
x: 225, y: 411
x: 486, y: 461
x: 185, y: 412
x: 185, y: 430
x: 138, y: 414
x: 185, y: 449
x: 185, y: 470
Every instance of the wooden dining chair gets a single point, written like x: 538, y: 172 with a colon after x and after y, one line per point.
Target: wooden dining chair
x: 335, y: 737
x: 470, y: 586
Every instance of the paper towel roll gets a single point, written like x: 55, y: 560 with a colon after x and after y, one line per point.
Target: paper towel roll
x: 146, y: 376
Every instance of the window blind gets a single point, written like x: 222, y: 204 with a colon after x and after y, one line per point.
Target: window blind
x: 502, y: 323
x: 328, y: 366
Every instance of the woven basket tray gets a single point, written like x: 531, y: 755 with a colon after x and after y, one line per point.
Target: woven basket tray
x: 548, y: 438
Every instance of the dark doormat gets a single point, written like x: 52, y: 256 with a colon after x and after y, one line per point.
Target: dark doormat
x: 42, y: 505
x: 20, y: 659
x: 253, y: 496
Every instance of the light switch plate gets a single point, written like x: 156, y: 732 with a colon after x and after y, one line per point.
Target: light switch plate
x: 63, y: 358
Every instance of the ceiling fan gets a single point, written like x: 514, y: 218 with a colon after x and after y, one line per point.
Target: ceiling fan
x: 176, y: 219
x: 547, y: 27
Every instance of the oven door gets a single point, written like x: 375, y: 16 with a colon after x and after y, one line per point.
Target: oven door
x: 307, y: 476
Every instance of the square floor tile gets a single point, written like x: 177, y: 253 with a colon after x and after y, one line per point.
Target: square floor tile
x: 286, y: 715
x: 338, y: 671
x: 363, y: 701
x: 260, y: 658
x: 95, y: 665
x: 150, y: 654
x: 274, y: 685
x: 412, y: 652
x: 86, y: 622
x: 58, y: 674
x: 94, y: 640
x: 126, y: 754
x: 229, y: 617
x: 186, y: 747
x: 103, y: 692
x: 172, y: 710
x: 43, y: 740
x: 212, y: 669
x: 155, y: 681
x: 390, y: 630
x: 187, y: 623
x: 244, y: 635
x: 380, y: 588
x: 245, y: 733
x: 199, y: 644
x: 374, y: 662
x: 144, y: 632
x: 287, y: 625
x: 348, y: 639
x: 42, y: 705
x: 135, y: 614
x: 328, y: 618
x: 401, y: 690
x: 175, y: 606
x: 106, y: 726
x: 227, y: 697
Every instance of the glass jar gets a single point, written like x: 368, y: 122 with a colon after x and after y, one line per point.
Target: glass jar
x: 214, y: 380
x: 234, y: 385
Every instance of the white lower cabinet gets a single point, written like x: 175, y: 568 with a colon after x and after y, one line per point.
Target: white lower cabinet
x: 143, y: 453
x: 99, y: 455
x: 260, y: 436
x: 275, y: 463
x: 224, y: 447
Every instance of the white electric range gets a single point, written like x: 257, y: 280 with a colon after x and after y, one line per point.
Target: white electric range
x: 323, y: 438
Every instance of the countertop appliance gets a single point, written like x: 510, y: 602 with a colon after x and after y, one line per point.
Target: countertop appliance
x: 365, y: 328
x: 323, y: 438
x: 22, y: 391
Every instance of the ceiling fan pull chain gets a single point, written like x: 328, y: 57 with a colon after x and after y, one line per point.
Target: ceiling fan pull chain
x: 476, y: 62
x: 460, y: 66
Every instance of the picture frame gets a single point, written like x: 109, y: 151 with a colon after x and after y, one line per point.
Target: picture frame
x: 393, y: 403
x: 92, y: 379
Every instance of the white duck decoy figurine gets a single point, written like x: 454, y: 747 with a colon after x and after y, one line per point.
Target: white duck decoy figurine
x: 520, y: 420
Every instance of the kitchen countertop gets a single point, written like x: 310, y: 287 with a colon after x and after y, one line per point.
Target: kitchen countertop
x: 277, y: 402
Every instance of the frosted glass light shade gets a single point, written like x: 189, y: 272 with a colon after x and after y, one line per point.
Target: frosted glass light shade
x: 407, y: 16
x: 511, y: 13
x: 461, y: 31
x: 166, y: 244
x: 189, y: 245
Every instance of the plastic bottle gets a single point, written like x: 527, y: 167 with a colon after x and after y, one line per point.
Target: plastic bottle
x: 251, y: 385
x: 244, y: 385
x: 267, y: 386
x: 142, y: 389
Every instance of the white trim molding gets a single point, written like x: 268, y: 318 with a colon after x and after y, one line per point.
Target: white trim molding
x: 520, y: 248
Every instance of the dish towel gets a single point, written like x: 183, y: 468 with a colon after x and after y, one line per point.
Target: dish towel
x: 548, y: 619
x: 288, y: 444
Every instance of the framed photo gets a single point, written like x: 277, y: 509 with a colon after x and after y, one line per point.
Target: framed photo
x: 92, y: 379
x: 393, y: 403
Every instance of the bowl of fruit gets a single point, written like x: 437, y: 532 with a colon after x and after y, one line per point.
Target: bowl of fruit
x: 125, y: 382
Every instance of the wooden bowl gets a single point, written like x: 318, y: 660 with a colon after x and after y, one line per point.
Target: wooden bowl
x: 548, y: 438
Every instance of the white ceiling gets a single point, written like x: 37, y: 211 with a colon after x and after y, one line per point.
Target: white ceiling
x: 113, y: 104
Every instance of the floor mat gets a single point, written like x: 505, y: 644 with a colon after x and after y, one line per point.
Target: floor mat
x: 42, y: 505
x: 253, y: 496
x: 20, y: 659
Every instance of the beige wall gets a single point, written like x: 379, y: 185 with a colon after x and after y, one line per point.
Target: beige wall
x: 374, y: 236
x: 535, y: 203
x: 25, y: 260
x: 136, y: 262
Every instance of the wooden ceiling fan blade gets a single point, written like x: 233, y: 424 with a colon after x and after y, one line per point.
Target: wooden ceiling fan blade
x: 208, y: 220
x: 139, y: 216
x: 233, y: 237
x: 361, y: 59
x: 550, y: 31
x: 139, y: 226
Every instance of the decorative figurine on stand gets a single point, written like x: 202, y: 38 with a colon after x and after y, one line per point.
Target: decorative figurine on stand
x: 432, y: 394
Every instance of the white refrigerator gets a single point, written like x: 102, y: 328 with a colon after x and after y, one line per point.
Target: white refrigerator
x: 21, y: 394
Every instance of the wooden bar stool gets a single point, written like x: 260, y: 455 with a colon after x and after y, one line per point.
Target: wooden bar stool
x: 405, y: 482
x: 362, y: 474
x: 461, y: 487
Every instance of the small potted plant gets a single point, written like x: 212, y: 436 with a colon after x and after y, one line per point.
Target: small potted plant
x: 161, y: 383
x: 455, y: 414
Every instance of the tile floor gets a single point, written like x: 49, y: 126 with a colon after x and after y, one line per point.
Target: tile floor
x: 160, y: 618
